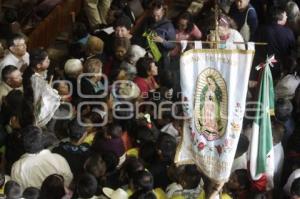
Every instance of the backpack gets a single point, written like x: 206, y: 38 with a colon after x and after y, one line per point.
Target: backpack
x: 245, y: 29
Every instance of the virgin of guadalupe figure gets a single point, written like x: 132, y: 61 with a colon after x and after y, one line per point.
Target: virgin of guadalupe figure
x: 210, y: 109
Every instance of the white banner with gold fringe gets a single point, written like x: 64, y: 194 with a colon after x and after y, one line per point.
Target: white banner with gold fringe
x: 214, y: 85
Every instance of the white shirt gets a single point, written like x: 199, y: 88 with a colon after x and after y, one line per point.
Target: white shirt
x: 32, y: 169
x: 286, y: 87
x: 11, y: 59
x: 292, y: 177
x: 234, y: 36
x: 278, y: 161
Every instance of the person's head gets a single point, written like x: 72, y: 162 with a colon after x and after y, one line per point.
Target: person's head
x: 190, y: 177
x: 93, y: 66
x: 12, y: 76
x: 11, y: 108
x: 94, y: 45
x: 39, y: 60
x: 95, y: 165
x: 278, y: 16
x: 32, y: 139
x: 77, y: 133
x: 295, y: 189
x: 239, y: 180
x: 12, y: 190
x: 292, y: 10
x: 79, y: 31
x: 31, y: 193
x: 146, y: 67
x: 63, y: 88
x: 185, y: 22
x: 10, y: 15
x: 53, y: 187
x: 242, y: 4
x: 142, y: 180
x: 121, y: 48
x: 130, y: 166
x: 17, y: 45
x: 158, y: 10
x: 114, y: 130
x: 223, y: 26
x: 283, y: 109
x: 73, y: 68
x: 147, y: 152
x: 122, y: 27
x: 166, y: 147
x: 87, y: 186
x: 142, y: 194
x: 289, y: 65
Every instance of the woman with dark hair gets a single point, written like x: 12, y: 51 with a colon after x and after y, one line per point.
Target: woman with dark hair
x: 37, y: 91
x: 185, y: 30
x: 53, y: 187
x: 146, y: 71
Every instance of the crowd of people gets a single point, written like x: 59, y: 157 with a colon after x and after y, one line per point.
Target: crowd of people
x: 106, y: 122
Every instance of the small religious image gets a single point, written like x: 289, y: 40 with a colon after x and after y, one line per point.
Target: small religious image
x: 211, y: 104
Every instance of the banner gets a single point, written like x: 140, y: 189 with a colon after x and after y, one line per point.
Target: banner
x: 214, y: 85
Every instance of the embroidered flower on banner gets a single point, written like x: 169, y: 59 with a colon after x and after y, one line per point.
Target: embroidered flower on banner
x: 201, y: 146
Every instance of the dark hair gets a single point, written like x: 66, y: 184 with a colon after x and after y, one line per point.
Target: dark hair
x: 289, y: 65
x: 157, y: 4
x: 11, y: 106
x: 167, y: 79
x: 147, y: 152
x: 166, y: 146
x: 129, y: 167
x: 95, y: 165
x: 31, y: 193
x: 191, y: 176
x: 87, y: 186
x: 53, y: 187
x: 141, y: 194
x: 12, y: 190
x: 37, y: 56
x: 6, y: 71
x: 143, y: 66
x: 32, y: 139
x: 114, y: 130
x: 243, y: 178
x: 276, y: 14
x: 12, y: 38
x: 10, y: 15
x: 111, y: 160
x: 187, y: 16
x: 79, y: 30
x: 142, y: 180
x: 123, y: 21
x: 295, y: 188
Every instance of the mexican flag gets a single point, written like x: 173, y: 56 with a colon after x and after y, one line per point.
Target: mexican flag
x: 261, y: 147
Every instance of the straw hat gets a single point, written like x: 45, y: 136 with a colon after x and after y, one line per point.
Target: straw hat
x: 115, y: 194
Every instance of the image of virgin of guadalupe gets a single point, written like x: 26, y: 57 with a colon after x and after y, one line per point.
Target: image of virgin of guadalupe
x: 210, y: 108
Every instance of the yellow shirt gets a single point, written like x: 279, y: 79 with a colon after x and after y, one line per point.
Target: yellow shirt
x: 159, y: 193
x: 89, y: 139
x: 202, y: 196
